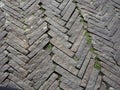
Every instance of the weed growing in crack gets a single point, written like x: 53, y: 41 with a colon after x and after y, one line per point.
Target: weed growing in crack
x: 97, y: 64
x: 49, y: 47
x: 76, y: 58
x: 88, y: 38
x: 92, y: 50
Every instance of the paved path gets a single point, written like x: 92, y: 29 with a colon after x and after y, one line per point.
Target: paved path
x: 60, y: 44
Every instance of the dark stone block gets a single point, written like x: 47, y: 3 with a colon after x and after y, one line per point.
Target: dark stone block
x: 8, y: 88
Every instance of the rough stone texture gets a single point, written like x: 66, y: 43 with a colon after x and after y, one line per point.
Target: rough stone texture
x: 60, y: 44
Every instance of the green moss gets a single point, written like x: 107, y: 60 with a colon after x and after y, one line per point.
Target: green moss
x: 75, y: 58
x: 89, y: 38
x: 25, y: 27
x: 81, y: 20
x: 92, y: 50
x: 97, y: 64
x: 50, y: 46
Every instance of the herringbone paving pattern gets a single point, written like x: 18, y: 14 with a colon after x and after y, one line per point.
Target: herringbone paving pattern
x: 60, y: 44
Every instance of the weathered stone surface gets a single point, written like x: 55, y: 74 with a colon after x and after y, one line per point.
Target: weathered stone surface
x: 70, y: 10
x: 111, y: 82
x: 65, y: 87
x: 72, y: 19
x: 70, y: 84
x: 87, y: 73
x: 85, y: 64
x: 54, y: 86
x: 117, y: 57
x: 60, y: 44
x: 103, y: 86
x: 110, y: 75
x: 49, y: 82
x: 61, y: 47
x: 92, y: 80
x: 66, y: 58
x: 68, y: 75
x: 64, y: 64
x: 56, y: 25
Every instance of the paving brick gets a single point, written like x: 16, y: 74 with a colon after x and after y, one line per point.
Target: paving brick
x: 109, y: 68
x: 53, y: 2
x: 43, y: 78
x: 19, y: 82
x: 36, y: 43
x: 87, y: 73
x: 39, y: 47
x: 22, y: 43
x: 61, y: 47
x: 85, y: 64
x: 18, y: 68
x: 51, y: 6
x: 111, y: 82
x: 55, y: 18
x: 62, y: 35
x: 103, y: 86
x: 110, y: 75
x: 98, y: 82
x: 3, y: 76
x: 63, y: 41
x: 16, y: 46
x: 64, y: 64
x: 75, y: 30
x: 77, y: 41
x: 35, y: 35
x: 92, y: 80
x: 63, y: 4
x: 18, y: 54
x: 83, y: 57
x: 64, y: 86
x: 63, y: 29
x: 66, y: 7
x: 43, y: 46
x: 69, y: 12
x: 49, y: 82
x: 38, y: 58
x: 16, y: 59
x: 71, y: 84
x: 54, y: 85
x: 67, y: 75
x: 66, y: 58
x: 2, y: 34
x: 72, y: 19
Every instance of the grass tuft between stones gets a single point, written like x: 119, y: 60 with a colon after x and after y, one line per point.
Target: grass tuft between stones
x: 76, y: 58
x: 92, y: 49
x: 97, y: 64
x: 88, y: 37
x: 49, y: 46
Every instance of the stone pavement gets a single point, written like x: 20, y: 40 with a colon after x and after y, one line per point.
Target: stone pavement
x: 60, y: 44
